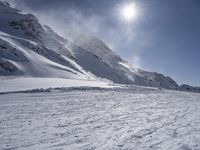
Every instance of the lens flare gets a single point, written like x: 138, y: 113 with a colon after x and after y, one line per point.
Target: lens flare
x: 129, y: 12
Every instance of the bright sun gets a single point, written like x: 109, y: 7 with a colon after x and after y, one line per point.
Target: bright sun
x: 129, y: 12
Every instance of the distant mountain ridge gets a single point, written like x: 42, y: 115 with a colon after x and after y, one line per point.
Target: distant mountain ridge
x: 28, y: 48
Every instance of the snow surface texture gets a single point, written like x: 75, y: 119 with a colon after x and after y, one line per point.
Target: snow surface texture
x: 28, y: 48
x: 100, y: 119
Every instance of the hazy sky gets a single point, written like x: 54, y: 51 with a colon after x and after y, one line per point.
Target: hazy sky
x: 165, y: 36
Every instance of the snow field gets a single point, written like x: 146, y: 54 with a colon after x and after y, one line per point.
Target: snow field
x: 96, y: 119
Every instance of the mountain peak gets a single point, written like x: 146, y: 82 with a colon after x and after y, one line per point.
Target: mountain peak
x: 15, y: 23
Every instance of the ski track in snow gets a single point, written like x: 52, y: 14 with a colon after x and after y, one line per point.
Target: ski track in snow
x: 102, y: 120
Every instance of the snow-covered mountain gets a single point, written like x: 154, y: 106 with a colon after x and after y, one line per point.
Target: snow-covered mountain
x: 24, y: 49
x: 29, y: 48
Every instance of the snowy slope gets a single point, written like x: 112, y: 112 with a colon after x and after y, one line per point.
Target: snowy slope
x: 31, y: 59
x: 24, y: 52
x: 28, y: 48
x: 119, y: 70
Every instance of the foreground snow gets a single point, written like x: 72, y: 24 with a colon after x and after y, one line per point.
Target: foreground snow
x: 100, y: 119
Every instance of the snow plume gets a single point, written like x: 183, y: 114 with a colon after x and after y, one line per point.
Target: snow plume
x: 68, y: 22
x: 71, y: 22
x: 136, y: 61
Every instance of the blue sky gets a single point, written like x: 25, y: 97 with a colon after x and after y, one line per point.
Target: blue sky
x: 164, y: 38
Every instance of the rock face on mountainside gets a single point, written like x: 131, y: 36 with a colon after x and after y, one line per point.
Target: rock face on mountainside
x: 188, y: 88
x: 28, y: 48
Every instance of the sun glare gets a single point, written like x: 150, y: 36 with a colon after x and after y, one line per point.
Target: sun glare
x: 129, y: 12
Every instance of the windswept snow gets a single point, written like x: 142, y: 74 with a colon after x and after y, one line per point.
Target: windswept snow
x: 102, y: 120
